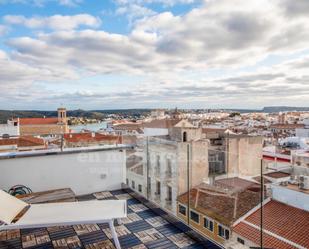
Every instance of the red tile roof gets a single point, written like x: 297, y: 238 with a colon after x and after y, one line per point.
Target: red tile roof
x: 237, y: 183
x: 23, y: 141
x: 253, y: 235
x: 283, y: 220
x: 287, y: 126
x: 91, y: 137
x: 37, y: 121
x: 225, y: 205
x: 161, y: 123
x: 127, y: 126
x: 278, y: 174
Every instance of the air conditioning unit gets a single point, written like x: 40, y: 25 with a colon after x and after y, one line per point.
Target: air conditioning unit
x: 285, y: 183
x: 293, y: 180
x: 304, y: 182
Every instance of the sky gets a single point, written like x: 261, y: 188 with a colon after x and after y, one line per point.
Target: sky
x: 112, y: 54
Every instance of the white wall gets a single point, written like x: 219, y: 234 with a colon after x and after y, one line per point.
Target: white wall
x: 302, y: 132
x: 9, y: 129
x: 84, y: 173
x: 155, y: 131
x: 290, y: 197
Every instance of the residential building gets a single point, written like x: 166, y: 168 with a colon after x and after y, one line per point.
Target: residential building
x: 214, y: 208
x: 283, y: 130
x: 11, y: 128
x: 233, y: 154
x: 169, y: 168
x: 303, y: 132
x: 44, y: 126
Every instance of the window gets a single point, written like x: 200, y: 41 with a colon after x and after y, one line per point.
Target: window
x: 195, y: 216
x: 133, y: 184
x: 184, y: 137
x: 209, y: 224
x: 182, y: 210
x: 169, y: 193
x: 158, y: 190
x: 157, y: 168
x: 158, y: 161
x: 139, y: 188
x: 127, y: 181
x: 149, y: 183
x: 241, y: 241
x: 223, y: 232
x: 169, y: 165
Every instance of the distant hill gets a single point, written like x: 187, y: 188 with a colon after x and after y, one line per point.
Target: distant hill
x: 95, y: 114
x: 284, y: 109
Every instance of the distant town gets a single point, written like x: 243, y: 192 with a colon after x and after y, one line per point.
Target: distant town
x: 215, y: 170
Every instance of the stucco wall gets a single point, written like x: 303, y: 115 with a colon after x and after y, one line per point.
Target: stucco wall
x: 84, y: 172
x: 43, y: 129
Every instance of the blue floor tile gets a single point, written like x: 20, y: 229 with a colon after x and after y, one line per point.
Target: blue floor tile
x: 138, y: 226
x: 128, y: 241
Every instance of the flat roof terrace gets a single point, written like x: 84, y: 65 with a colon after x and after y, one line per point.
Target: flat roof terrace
x: 142, y: 229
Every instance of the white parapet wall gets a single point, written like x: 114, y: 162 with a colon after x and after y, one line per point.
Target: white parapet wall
x: 84, y: 170
x: 290, y: 197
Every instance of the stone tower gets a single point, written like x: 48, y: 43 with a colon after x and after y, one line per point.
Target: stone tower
x: 62, y: 115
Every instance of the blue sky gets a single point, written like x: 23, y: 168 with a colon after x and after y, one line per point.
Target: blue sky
x: 153, y: 53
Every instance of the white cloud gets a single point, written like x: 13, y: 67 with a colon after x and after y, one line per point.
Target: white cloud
x: 219, y: 35
x: 56, y: 22
x: 134, y: 11
x: 70, y: 3
x: 41, y: 3
x: 164, y: 2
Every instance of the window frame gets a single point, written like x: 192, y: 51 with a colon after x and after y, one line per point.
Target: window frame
x: 192, y: 211
x: 180, y: 205
x: 240, y: 240
x: 158, y: 187
x: 224, y: 231
x: 209, y: 220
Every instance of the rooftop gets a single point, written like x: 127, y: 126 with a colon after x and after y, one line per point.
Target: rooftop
x: 37, y: 121
x: 284, y: 226
x: 143, y: 228
x: 23, y: 141
x: 225, y: 204
x: 91, y: 137
x: 278, y: 174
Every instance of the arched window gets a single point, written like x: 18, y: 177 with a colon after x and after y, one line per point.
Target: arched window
x: 184, y: 137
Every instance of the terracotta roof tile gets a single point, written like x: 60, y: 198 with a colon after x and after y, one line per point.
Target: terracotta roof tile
x: 278, y: 174
x: 90, y: 137
x: 253, y: 235
x: 224, y: 205
x: 161, y: 123
x: 37, y: 121
x: 283, y: 220
x: 23, y: 141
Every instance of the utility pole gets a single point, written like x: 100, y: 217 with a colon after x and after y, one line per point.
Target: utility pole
x: 261, y: 209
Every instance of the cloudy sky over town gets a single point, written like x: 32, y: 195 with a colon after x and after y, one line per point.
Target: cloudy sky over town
x: 108, y: 54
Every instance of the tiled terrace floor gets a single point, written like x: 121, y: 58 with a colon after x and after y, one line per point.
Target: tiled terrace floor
x: 141, y: 229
